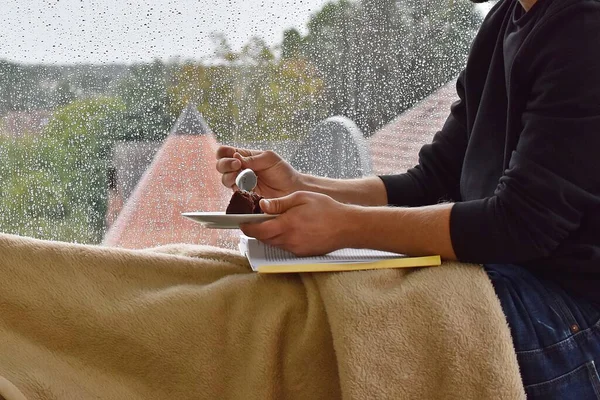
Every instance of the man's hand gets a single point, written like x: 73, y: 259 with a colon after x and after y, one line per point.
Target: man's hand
x: 308, y: 224
x: 276, y: 178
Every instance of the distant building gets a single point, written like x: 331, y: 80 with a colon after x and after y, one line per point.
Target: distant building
x: 182, y: 177
x: 129, y: 162
x: 334, y: 148
x: 18, y: 124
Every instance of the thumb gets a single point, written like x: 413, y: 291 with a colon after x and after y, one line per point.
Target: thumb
x: 258, y: 162
x: 280, y: 205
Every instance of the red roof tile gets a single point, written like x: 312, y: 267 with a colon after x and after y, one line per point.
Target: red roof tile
x: 395, y: 147
x: 181, y: 178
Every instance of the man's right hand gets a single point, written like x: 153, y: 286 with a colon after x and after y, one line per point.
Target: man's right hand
x: 276, y: 178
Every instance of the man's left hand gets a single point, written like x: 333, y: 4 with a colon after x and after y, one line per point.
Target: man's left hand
x: 308, y: 224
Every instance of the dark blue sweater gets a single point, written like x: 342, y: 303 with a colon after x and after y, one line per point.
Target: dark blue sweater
x: 520, y: 151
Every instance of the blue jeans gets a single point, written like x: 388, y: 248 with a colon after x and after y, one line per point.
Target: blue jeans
x: 556, y: 335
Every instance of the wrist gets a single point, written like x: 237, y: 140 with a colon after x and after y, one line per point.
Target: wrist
x: 305, y: 182
x: 354, y: 226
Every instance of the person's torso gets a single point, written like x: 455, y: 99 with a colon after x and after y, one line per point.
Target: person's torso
x: 497, y: 88
x: 495, y: 96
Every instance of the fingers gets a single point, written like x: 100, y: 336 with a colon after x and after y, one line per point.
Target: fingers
x: 230, y: 161
x: 228, y: 179
x: 229, y: 151
x: 226, y: 165
x: 225, y: 152
x: 264, y: 231
x: 282, y: 204
x: 258, y: 161
x: 277, y: 241
x: 229, y: 168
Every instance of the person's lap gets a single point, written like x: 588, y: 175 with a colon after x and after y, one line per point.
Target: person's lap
x: 556, y: 335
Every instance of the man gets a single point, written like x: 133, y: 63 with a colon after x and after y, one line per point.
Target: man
x: 516, y: 165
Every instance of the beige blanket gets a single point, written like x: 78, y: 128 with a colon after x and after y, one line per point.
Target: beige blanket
x: 192, y: 322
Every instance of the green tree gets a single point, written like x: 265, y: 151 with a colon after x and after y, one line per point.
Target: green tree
x: 64, y: 93
x: 378, y: 57
x: 54, y: 186
x: 252, y: 96
x: 330, y: 47
x: 144, y: 93
x: 291, y: 45
x: 19, y: 88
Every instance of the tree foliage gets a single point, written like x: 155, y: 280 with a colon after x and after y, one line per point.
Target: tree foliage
x: 144, y: 93
x: 378, y: 57
x: 54, y: 186
x: 251, y: 95
x: 19, y: 89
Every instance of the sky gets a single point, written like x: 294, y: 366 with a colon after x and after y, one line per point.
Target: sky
x: 126, y: 31
x: 106, y: 31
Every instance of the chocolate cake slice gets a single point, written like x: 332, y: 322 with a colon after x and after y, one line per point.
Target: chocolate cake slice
x: 243, y: 202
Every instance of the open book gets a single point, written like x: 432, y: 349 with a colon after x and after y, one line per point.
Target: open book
x: 271, y: 260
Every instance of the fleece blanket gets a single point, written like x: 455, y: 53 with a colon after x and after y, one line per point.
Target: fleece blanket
x: 193, y: 322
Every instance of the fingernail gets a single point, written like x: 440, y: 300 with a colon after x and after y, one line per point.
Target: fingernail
x: 266, y: 203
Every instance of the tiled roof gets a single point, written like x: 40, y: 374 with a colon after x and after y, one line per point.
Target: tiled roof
x: 182, y: 177
x: 190, y: 122
x: 395, y: 147
x: 130, y: 160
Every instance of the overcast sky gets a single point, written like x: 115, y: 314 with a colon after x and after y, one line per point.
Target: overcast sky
x: 105, y: 31
x: 71, y: 31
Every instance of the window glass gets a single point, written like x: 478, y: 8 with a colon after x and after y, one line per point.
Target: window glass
x: 110, y: 110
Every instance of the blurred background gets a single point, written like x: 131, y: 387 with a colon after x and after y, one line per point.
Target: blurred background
x: 110, y: 110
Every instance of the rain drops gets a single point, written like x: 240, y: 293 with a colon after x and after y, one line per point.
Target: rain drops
x: 89, y: 91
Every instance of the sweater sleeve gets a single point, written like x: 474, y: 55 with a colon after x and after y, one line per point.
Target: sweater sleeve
x: 553, y: 179
x: 437, y: 176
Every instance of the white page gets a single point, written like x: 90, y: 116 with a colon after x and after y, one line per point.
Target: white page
x: 260, y: 254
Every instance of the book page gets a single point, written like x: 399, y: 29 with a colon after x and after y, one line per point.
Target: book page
x: 260, y: 254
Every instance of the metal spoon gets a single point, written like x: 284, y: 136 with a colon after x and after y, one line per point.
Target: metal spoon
x: 246, y: 180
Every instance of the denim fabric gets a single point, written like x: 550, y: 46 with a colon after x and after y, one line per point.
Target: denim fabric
x: 556, y: 335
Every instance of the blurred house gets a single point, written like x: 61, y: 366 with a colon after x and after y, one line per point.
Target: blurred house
x: 395, y: 147
x: 129, y: 162
x: 181, y: 177
x: 334, y: 148
x: 17, y: 124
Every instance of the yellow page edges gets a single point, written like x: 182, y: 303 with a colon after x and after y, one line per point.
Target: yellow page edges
x: 408, y: 262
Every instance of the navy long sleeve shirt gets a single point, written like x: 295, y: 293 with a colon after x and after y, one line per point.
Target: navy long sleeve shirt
x: 520, y: 151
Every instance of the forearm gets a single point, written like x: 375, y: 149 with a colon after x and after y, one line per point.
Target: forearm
x: 414, y: 231
x: 368, y: 191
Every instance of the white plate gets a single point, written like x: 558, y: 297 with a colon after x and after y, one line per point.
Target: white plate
x: 220, y: 220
